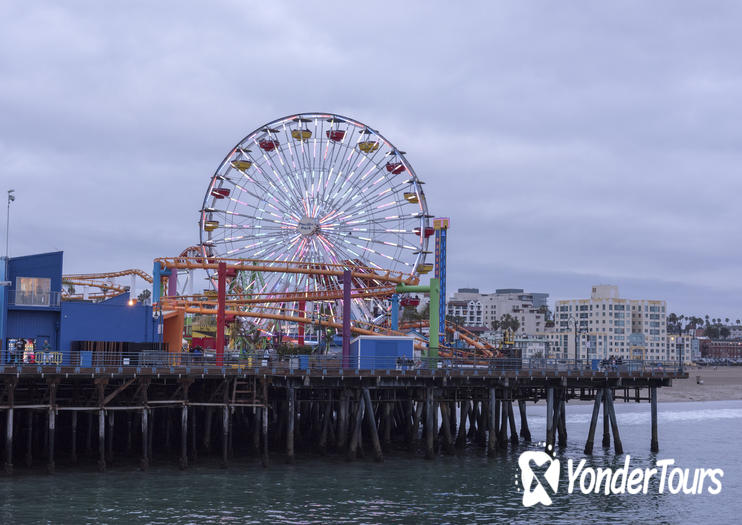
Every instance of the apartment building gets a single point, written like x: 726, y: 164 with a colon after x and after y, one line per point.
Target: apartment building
x: 608, y: 325
x: 483, y: 308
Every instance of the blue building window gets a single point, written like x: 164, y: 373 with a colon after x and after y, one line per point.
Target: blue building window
x: 33, y: 291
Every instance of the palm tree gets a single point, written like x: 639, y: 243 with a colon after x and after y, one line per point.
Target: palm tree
x: 726, y: 320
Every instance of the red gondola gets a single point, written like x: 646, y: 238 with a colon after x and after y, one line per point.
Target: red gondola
x: 220, y: 193
x: 268, y: 144
x: 395, y: 167
x: 336, y: 135
x: 409, y: 301
x: 429, y: 230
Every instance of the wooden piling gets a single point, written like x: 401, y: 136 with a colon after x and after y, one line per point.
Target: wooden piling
x: 101, y: 440
x: 111, y: 416
x: 144, y: 461
x: 356, y: 433
x: 550, y: 420
x: 513, y: 428
x: 207, y: 430
x: 446, y: 427
x: 51, y: 418
x: 225, y: 436
x: 562, y: 422
x: 73, y: 454
x: 371, y: 423
x: 266, y: 415
x: 655, y: 445
x: 606, y: 443
x: 290, y: 421
x: 525, y: 432
x: 618, y: 446
x: 492, y: 423
x: 463, y: 413
x: 430, y: 430
x: 29, y: 439
x: 342, y: 432
x: 8, y: 467
x: 183, y: 462
x: 593, y: 422
x: 326, y: 419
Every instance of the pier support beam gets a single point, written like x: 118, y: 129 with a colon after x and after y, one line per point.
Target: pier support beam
x: 51, y: 417
x: 561, y: 420
x: 550, y: 420
x: 101, y: 440
x: 593, y: 422
x: 429, y: 425
x: 144, y: 462
x: 371, y: 423
x: 109, y: 436
x: 290, y: 419
x: 492, y: 423
x: 8, y: 467
x: 525, y: 432
x: 73, y: 455
x: 183, y: 463
x: 264, y: 458
x: 463, y: 412
x: 513, y: 428
x: 9, y: 441
x: 606, y: 424
x: 356, y: 434
x: 655, y: 446
x: 225, y: 436
x: 617, y: 445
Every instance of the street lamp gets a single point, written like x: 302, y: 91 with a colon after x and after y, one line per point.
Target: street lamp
x: 11, y: 198
x: 574, y: 324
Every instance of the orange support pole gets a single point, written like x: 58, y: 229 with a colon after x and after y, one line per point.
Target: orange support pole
x: 302, y: 306
x: 220, y: 308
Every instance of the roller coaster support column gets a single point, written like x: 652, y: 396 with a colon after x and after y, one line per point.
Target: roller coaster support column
x: 441, y: 230
x: 395, y: 311
x: 220, y: 317
x: 434, y: 290
x: 158, y: 272
x: 346, y: 318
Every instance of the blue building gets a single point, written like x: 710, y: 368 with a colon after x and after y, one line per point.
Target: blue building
x: 33, y: 316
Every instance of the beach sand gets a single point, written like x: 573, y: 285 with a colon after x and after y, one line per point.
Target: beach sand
x: 719, y: 384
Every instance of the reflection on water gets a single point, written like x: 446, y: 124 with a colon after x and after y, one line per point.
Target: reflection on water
x: 469, y: 488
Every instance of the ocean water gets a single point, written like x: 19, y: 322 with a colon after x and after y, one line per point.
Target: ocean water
x: 466, y: 488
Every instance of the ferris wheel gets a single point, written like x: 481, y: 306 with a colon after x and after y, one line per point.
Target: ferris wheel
x: 322, y: 189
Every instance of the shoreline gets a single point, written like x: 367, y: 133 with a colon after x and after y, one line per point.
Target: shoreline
x: 723, y: 383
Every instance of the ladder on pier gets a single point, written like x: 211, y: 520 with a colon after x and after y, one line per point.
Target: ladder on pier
x: 245, y: 392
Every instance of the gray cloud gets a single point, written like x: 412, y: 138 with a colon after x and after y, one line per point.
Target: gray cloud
x: 570, y: 143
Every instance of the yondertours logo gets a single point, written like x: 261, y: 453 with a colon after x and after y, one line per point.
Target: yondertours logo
x: 540, y: 475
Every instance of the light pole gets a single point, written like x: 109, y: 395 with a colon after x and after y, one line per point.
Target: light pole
x: 11, y: 198
x: 574, y: 324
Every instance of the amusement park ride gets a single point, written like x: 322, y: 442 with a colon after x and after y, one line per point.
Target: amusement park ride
x: 313, y: 219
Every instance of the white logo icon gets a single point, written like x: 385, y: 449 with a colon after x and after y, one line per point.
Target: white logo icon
x: 538, y: 493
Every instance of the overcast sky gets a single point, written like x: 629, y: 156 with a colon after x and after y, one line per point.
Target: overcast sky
x: 571, y: 143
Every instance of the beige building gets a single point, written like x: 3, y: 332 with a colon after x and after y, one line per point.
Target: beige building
x: 609, y: 325
x: 480, y: 309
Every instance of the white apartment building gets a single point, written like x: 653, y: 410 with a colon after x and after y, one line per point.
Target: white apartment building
x: 609, y: 325
x: 483, y: 308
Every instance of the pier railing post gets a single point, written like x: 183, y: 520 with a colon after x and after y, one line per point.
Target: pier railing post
x: 655, y: 446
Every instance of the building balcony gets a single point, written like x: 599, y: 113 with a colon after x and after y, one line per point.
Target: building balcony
x: 20, y: 299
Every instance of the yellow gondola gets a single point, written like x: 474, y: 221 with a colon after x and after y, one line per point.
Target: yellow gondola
x: 368, y: 146
x: 301, y: 134
x: 424, y: 268
x: 242, y: 165
x: 210, y: 226
x: 411, y: 196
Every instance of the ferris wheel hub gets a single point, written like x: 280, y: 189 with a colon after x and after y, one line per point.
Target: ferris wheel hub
x: 308, y: 226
